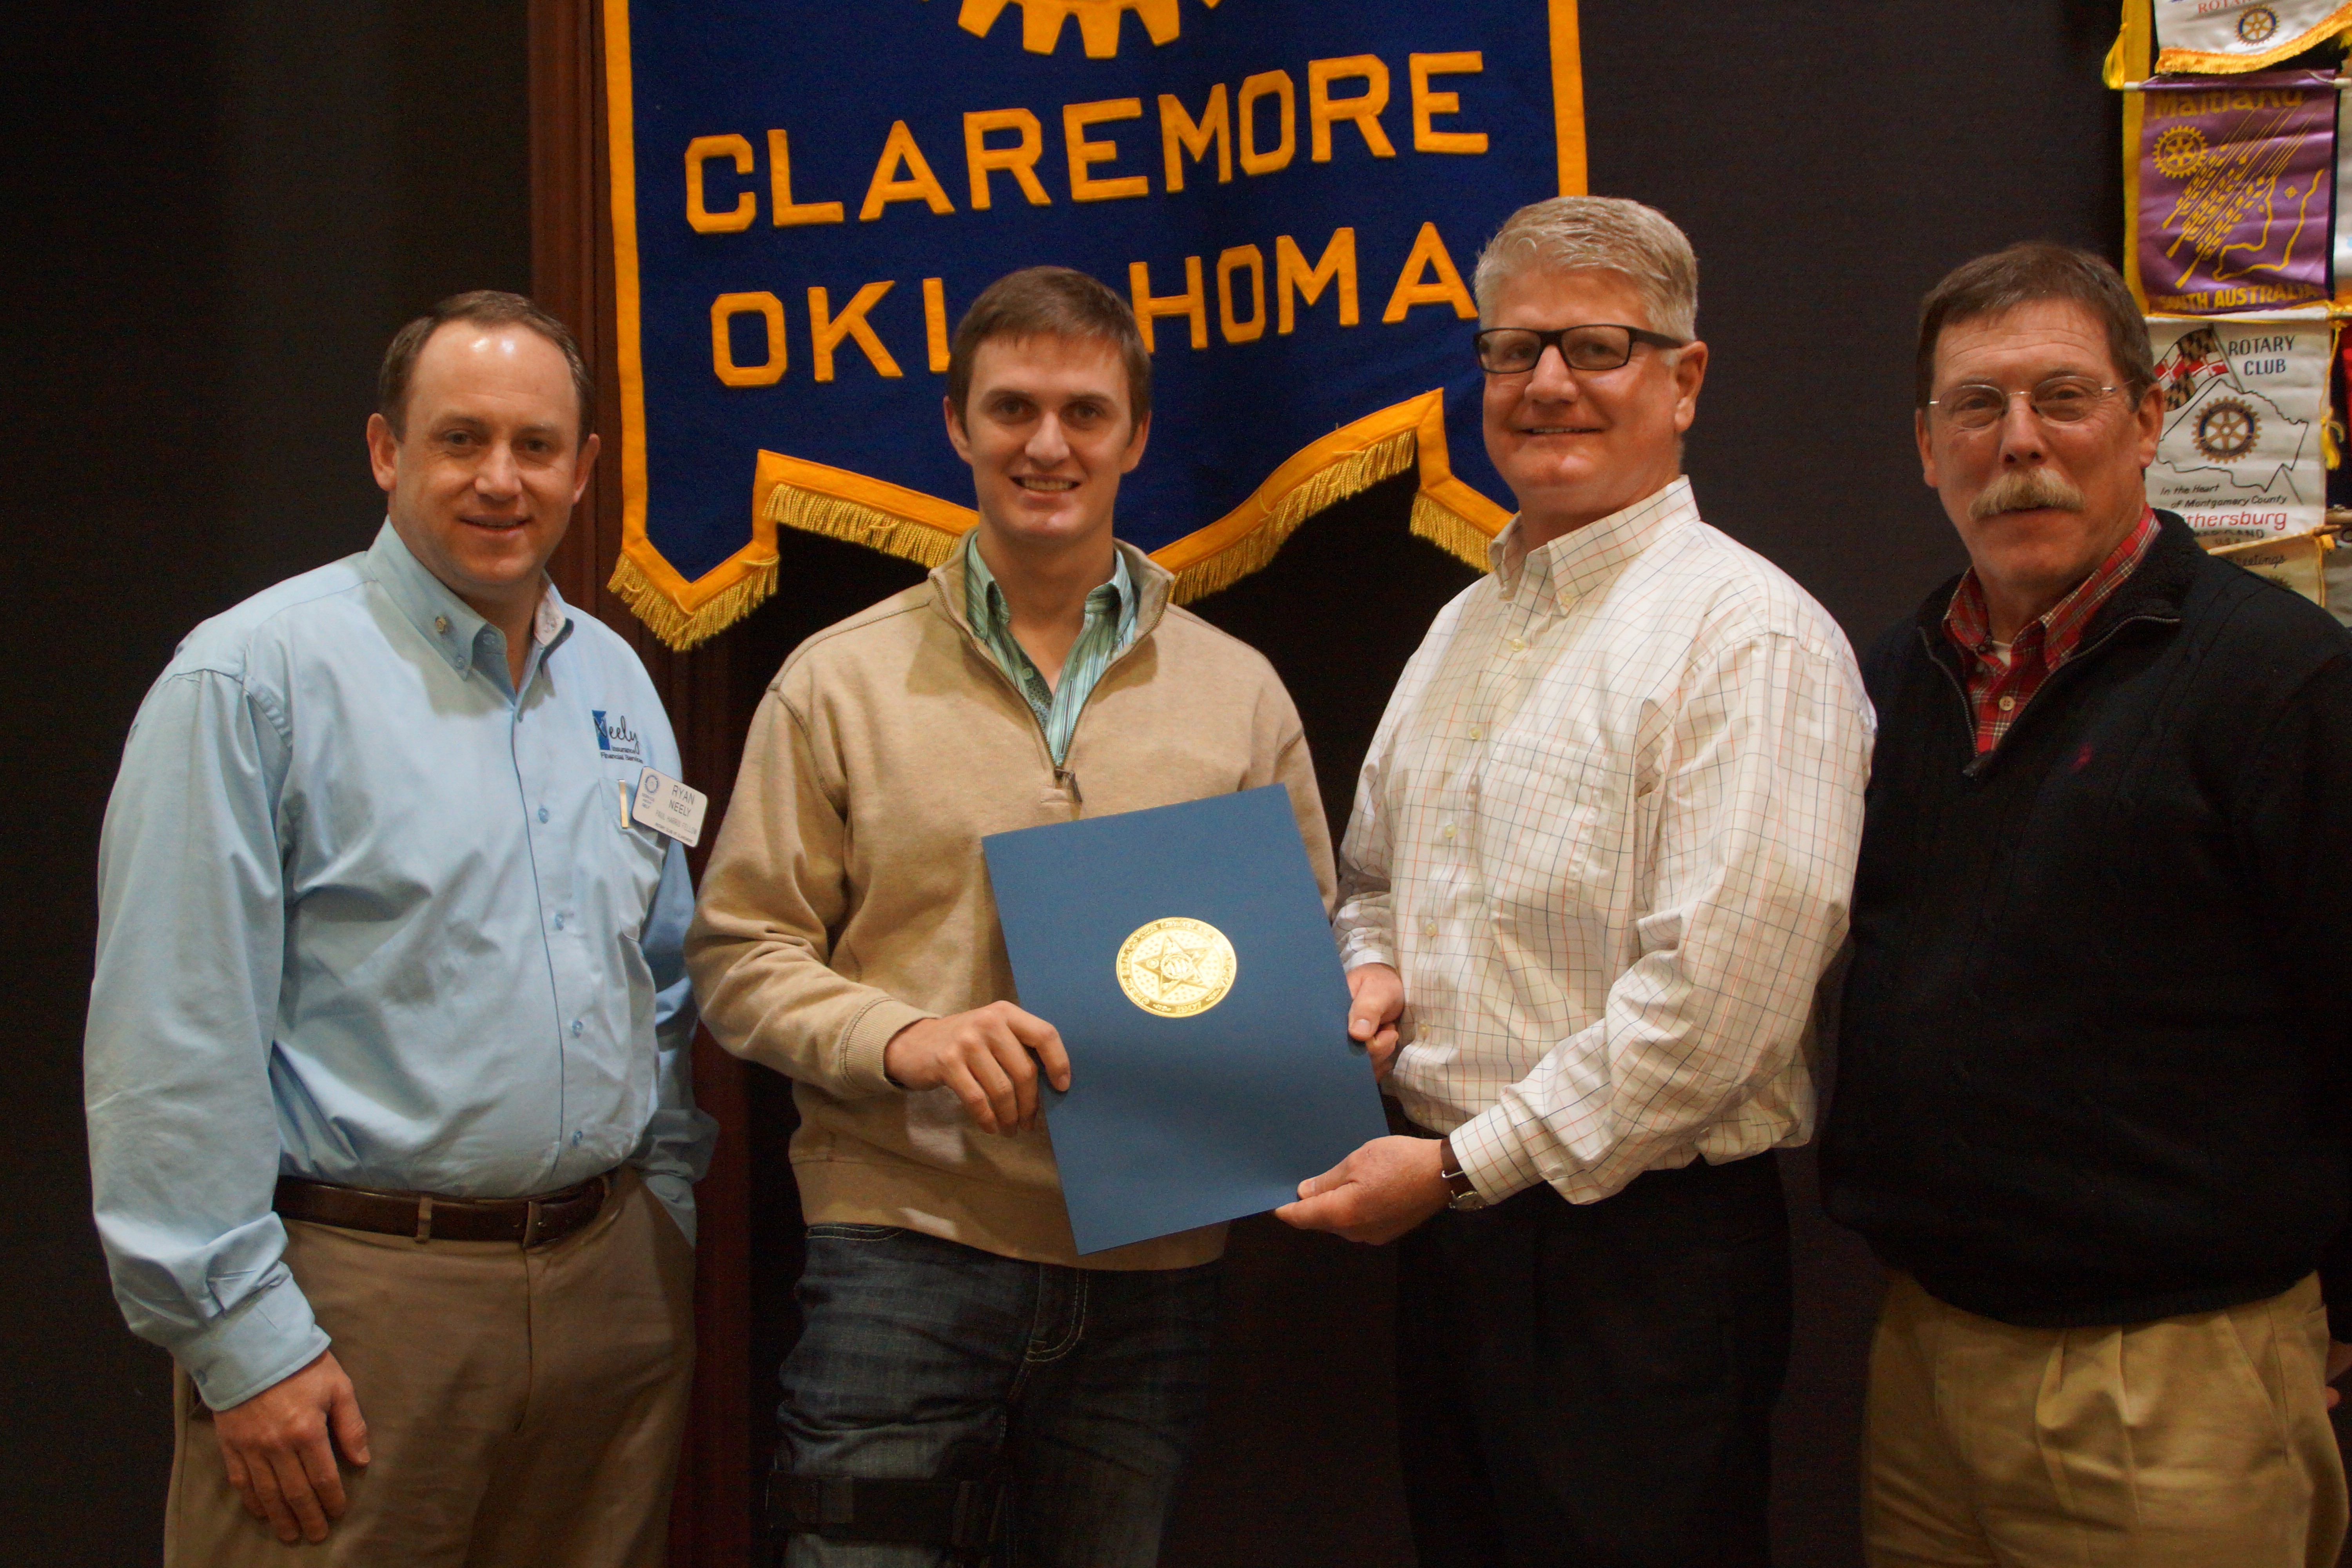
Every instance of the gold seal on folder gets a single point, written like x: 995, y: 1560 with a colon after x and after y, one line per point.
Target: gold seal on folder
x: 1176, y: 967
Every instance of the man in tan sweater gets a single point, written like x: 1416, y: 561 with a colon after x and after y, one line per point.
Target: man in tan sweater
x: 964, y: 1378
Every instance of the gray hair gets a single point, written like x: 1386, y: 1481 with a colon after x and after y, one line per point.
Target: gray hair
x: 1597, y: 234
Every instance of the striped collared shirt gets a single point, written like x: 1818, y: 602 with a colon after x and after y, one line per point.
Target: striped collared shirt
x: 2000, y: 688
x: 1110, y: 628
x: 1607, y: 832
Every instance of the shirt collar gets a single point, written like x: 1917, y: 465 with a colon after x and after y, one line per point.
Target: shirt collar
x: 1968, y: 620
x: 444, y: 620
x: 984, y: 605
x: 1582, y: 560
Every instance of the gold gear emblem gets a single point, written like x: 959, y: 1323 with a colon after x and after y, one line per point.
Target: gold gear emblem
x: 2178, y: 151
x: 2226, y: 430
x: 1098, y: 21
x: 2256, y: 24
x: 1176, y: 967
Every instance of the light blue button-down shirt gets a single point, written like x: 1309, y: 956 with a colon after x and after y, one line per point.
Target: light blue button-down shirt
x: 368, y: 915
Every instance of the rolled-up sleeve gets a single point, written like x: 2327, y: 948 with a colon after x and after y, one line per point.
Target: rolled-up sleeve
x: 183, y: 1128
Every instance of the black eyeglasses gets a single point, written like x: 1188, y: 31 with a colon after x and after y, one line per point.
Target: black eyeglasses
x: 1514, y: 351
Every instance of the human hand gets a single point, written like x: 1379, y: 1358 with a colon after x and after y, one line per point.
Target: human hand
x: 1376, y: 1001
x: 275, y: 1448
x: 1375, y: 1194
x: 983, y: 1055
x: 2339, y: 1362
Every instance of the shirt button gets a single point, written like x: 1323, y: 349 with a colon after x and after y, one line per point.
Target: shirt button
x: 2007, y: 703
x: 441, y: 623
x: 1429, y: 928
x: 1518, y: 645
x: 577, y: 1136
x: 1476, y: 731
x: 1446, y: 831
x: 559, y: 923
x: 542, y: 813
x: 575, y: 1028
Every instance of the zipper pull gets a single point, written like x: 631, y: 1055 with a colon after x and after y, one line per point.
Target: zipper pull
x: 1068, y: 781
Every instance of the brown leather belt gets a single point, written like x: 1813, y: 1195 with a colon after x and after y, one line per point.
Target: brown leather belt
x: 532, y: 1221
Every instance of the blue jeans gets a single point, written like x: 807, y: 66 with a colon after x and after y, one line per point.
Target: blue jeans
x: 1088, y: 1382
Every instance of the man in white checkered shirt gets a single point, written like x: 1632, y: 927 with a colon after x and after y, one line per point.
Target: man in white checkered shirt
x: 1601, y: 853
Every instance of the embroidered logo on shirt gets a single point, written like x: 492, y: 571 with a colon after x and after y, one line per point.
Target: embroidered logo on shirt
x: 616, y: 739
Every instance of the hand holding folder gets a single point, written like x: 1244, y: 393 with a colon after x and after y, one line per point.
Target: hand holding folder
x: 1184, y: 956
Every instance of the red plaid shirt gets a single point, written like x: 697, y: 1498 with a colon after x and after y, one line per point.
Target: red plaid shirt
x: 1998, y: 692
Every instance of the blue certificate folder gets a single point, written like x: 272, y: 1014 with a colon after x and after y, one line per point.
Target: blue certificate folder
x: 1173, y: 1122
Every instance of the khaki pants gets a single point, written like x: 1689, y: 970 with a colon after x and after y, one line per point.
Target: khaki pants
x: 2192, y: 1442
x: 523, y: 1408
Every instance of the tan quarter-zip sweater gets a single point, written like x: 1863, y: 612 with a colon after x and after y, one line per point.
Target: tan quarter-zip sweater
x: 846, y: 897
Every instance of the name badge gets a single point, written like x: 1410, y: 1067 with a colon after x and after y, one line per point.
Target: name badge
x: 665, y: 806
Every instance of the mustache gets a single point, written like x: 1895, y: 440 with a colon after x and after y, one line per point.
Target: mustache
x: 2025, y: 490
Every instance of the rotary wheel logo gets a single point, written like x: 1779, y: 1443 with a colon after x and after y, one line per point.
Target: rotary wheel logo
x: 2227, y: 429
x: 2178, y: 151
x: 1098, y: 21
x: 2256, y: 24
x: 1176, y: 967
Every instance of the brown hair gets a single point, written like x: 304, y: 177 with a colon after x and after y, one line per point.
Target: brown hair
x: 1051, y: 302
x: 484, y: 307
x: 2033, y: 271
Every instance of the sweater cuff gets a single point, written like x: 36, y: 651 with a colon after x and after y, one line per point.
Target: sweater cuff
x: 857, y: 1063
x: 1488, y: 1147
x: 268, y: 1338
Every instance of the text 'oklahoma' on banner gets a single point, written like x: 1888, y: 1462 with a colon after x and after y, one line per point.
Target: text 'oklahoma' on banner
x: 806, y: 196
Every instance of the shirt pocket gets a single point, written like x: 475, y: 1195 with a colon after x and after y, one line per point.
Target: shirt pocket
x: 1553, y: 822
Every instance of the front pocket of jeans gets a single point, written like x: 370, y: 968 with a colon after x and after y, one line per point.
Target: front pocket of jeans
x: 838, y: 1232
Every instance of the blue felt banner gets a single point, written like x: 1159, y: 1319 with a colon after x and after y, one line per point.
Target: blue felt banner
x: 807, y: 195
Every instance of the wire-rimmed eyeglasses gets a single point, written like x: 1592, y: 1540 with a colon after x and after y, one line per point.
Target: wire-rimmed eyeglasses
x: 2061, y: 400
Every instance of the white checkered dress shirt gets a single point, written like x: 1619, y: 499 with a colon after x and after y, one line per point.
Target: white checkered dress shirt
x: 1607, y: 832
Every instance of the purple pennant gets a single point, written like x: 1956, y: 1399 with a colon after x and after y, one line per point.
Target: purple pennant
x: 2235, y: 187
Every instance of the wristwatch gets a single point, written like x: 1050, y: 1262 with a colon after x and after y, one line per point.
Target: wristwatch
x: 1466, y: 1197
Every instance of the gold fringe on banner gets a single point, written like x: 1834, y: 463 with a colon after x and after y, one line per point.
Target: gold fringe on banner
x: 838, y: 504
x: 1347, y: 462
x: 1456, y: 535
x: 1348, y: 477
x: 682, y: 629
x: 848, y: 521
x: 791, y: 492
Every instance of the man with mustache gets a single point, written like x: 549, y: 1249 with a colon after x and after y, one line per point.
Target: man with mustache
x: 2090, y: 1108
x: 1599, y: 860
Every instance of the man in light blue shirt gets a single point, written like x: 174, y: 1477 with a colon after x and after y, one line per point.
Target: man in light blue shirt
x: 391, y: 1137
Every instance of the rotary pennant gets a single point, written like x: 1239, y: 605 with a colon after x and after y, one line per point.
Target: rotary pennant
x: 2235, y: 191
x: 2240, y: 452
x: 2217, y: 36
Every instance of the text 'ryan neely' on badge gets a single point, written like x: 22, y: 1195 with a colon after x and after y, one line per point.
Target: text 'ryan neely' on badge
x: 666, y: 805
